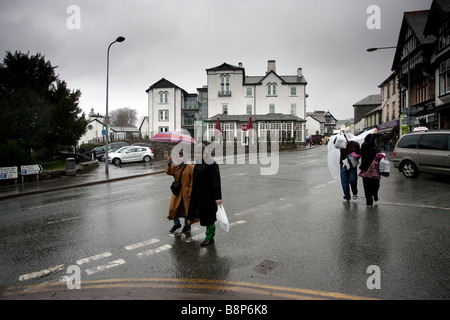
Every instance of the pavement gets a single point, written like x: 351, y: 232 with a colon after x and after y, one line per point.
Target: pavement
x: 92, y: 177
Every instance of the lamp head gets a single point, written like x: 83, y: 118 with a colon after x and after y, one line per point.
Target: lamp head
x: 372, y: 49
x: 120, y: 39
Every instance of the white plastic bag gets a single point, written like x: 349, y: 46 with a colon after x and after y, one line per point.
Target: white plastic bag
x: 222, y: 219
x: 340, y: 142
x: 384, y: 167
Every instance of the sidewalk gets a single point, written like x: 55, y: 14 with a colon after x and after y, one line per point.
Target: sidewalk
x: 94, y: 176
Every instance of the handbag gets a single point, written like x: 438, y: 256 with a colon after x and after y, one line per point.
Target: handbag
x: 222, y: 219
x: 176, y: 185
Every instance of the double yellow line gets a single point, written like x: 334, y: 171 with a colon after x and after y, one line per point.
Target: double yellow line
x: 254, y: 291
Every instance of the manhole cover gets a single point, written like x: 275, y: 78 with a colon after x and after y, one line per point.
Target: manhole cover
x: 266, y: 267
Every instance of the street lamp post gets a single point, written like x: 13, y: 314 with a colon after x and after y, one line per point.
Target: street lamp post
x: 409, y: 81
x: 119, y: 39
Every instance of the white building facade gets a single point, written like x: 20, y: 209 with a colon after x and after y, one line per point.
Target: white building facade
x: 275, y: 103
x: 165, y: 101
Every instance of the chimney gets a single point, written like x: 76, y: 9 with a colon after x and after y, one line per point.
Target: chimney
x: 299, y: 72
x: 271, y: 66
x: 240, y: 65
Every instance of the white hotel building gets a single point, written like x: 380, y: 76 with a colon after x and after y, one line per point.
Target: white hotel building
x: 276, y: 104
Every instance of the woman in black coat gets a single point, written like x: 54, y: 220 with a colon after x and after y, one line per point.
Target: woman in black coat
x: 368, y: 153
x: 206, y: 193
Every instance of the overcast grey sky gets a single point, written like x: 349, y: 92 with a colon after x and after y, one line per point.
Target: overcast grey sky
x: 180, y: 39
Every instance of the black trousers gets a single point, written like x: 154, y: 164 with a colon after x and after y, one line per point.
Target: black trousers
x: 371, y: 187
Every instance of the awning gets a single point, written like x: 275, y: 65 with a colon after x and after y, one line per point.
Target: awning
x: 388, y: 130
x: 388, y: 127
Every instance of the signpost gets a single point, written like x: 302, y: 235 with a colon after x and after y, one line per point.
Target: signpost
x: 8, y: 173
x: 30, y: 169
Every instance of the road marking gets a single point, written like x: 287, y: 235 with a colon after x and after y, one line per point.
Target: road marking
x: 237, y: 223
x: 93, y: 258
x: 62, y: 220
x: 141, y: 244
x: 41, y: 273
x: 319, y: 186
x: 414, y: 205
x: 193, y: 283
x: 109, y: 265
x: 153, y: 251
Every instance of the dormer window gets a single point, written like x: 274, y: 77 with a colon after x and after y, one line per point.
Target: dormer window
x: 225, y: 84
x: 163, y: 97
x: 271, y: 89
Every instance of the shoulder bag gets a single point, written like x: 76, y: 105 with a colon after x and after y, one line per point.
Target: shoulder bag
x: 176, y: 185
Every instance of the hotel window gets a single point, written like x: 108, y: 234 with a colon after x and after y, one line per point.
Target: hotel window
x: 294, y: 109
x: 293, y: 91
x: 163, y: 129
x: 271, y: 108
x: 164, y: 97
x: 271, y: 89
x: 224, y: 108
x: 163, y: 115
x: 225, y: 84
x: 249, y: 92
x: 249, y: 109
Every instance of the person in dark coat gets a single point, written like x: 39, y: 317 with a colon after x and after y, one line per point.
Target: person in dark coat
x: 206, y: 192
x: 349, y: 176
x: 371, y: 185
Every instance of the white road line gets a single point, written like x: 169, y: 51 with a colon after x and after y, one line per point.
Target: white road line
x: 62, y: 220
x: 109, y: 265
x: 319, y: 186
x: 41, y: 273
x: 93, y: 258
x: 141, y: 244
x: 237, y: 222
x: 153, y: 251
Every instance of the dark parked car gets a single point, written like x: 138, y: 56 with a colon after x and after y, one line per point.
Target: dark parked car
x: 99, y: 152
x: 423, y: 152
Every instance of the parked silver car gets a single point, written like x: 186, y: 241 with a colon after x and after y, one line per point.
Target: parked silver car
x: 427, y: 152
x: 130, y: 154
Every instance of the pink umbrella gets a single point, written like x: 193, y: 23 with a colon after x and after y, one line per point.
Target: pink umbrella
x: 250, y: 123
x: 173, y: 136
x: 218, y: 130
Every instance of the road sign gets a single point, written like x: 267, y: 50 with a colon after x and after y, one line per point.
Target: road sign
x: 30, y: 169
x: 8, y: 173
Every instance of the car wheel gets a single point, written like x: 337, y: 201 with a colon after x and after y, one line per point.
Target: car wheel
x: 147, y: 159
x: 116, y: 161
x: 409, y: 169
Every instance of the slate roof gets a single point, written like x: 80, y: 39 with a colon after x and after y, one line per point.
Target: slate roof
x: 164, y: 83
x: 257, y: 80
x: 374, y: 99
x: 439, y: 12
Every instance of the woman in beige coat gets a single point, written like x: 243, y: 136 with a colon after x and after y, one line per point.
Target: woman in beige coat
x: 179, y: 204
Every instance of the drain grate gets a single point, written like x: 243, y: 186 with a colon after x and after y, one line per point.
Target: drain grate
x: 266, y: 266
